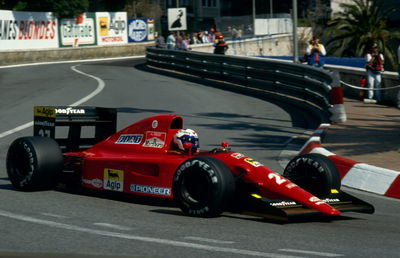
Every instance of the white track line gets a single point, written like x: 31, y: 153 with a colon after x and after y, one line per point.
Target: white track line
x: 153, y: 240
x: 100, y: 86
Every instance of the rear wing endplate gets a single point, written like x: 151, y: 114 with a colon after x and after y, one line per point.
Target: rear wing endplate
x: 83, y: 126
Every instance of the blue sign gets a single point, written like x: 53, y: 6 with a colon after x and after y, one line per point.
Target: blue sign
x: 138, y: 30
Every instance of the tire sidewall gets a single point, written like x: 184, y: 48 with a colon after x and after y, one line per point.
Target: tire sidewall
x: 318, y: 173
x: 34, y: 163
x: 219, y: 186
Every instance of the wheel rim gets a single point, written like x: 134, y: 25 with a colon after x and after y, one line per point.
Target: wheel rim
x: 196, y: 186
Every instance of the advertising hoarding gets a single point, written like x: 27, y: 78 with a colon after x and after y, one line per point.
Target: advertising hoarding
x: 112, y: 28
x: 140, y: 30
x: 78, y: 32
x: 27, y: 30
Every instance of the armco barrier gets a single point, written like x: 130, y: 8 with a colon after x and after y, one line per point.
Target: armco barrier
x: 295, y: 82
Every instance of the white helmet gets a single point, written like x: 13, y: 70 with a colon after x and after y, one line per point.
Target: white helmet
x: 187, y: 136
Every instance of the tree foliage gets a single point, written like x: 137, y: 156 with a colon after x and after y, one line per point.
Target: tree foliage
x: 357, y: 27
x: 62, y: 8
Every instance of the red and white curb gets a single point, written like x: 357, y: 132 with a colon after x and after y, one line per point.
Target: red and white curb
x: 355, y: 174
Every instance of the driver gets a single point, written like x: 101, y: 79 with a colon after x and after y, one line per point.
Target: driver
x: 187, y: 136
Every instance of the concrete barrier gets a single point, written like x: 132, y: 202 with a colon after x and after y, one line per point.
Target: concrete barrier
x: 65, y: 54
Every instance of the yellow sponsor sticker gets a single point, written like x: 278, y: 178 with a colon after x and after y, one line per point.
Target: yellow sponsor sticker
x: 113, y: 179
x: 45, y: 112
x: 253, y: 162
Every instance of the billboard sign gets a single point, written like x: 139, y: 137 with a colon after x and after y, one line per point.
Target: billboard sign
x: 140, y: 30
x: 28, y: 30
x: 112, y: 28
x: 78, y: 32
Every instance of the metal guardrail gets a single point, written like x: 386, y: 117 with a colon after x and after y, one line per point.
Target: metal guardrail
x: 295, y: 82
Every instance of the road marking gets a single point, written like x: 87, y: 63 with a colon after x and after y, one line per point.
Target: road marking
x: 311, y: 252
x: 54, y: 215
x: 113, y: 226
x: 209, y: 240
x: 100, y: 86
x: 153, y: 240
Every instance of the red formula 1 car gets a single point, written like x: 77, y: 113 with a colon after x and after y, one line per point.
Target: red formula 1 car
x: 144, y: 159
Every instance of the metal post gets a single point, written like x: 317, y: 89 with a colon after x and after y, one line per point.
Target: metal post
x: 295, y: 40
x: 271, y: 12
x: 177, y: 3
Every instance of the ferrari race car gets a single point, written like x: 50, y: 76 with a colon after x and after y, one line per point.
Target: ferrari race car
x: 145, y: 159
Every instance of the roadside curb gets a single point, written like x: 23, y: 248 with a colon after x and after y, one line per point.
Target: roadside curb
x: 355, y: 174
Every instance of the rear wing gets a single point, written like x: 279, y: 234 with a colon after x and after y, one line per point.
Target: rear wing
x: 78, y: 128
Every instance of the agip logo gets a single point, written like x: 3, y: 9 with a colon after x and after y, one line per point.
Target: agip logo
x: 103, y: 22
x: 113, y: 179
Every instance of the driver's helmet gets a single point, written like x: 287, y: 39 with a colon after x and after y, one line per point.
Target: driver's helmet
x: 187, y: 136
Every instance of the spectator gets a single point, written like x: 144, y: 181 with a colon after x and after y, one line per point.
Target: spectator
x: 160, y: 42
x: 171, y: 40
x: 205, y: 37
x: 220, y: 46
x: 185, y: 43
x: 375, y: 61
x: 211, y: 35
x: 315, y: 53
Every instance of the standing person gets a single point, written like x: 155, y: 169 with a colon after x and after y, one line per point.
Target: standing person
x: 220, y: 46
x: 171, y: 40
x: 159, y: 42
x: 315, y: 52
x: 375, y: 61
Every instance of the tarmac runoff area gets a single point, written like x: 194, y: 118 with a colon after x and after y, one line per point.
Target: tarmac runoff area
x: 365, y: 148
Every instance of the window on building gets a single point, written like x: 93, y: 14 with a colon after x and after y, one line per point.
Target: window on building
x: 209, y: 3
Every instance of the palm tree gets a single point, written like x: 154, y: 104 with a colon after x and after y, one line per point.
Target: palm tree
x: 360, y: 24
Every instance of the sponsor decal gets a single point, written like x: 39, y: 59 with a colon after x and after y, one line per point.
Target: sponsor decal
x: 253, y: 162
x: 113, y: 179
x: 155, y: 139
x: 130, y: 138
x: 69, y: 111
x: 93, y: 182
x: 237, y: 155
x: 283, y: 203
x: 44, y: 112
x: 150, y: 189
x: 154, y: 124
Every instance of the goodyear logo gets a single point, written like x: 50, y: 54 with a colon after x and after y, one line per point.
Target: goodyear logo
x: 45, y: 112
x: 113, y: 179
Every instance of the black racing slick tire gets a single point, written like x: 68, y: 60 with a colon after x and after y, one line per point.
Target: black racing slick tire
x: 34, y: 163
x: 313, y: 172
x: 203, y: 187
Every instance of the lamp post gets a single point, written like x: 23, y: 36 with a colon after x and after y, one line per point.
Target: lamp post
x: 295, y: 41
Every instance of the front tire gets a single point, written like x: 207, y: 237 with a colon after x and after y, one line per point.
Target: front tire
x: 34, y: 163
x: 203, y: 187
x: 313, y: 172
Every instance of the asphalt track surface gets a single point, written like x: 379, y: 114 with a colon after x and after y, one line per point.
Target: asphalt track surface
x: 55, y: 223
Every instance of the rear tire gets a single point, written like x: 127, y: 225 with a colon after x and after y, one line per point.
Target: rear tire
x: 203, y: 187
x: 314, y: 173
x: 34, y: 163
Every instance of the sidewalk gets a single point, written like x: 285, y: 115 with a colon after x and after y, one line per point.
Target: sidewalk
x: 370, y: 135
